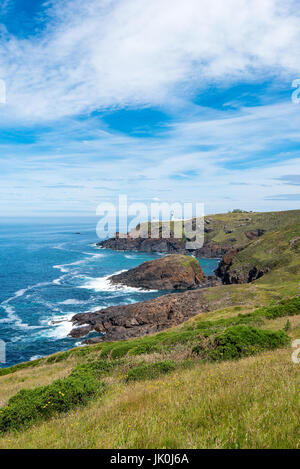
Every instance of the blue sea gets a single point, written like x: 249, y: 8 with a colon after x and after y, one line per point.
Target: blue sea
x: 48, y: 273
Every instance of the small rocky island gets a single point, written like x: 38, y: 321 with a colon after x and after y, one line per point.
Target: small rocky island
x: 172, y: 272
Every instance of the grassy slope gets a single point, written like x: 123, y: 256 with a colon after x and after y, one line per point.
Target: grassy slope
x: 249, y: 403
x: 238, y: 224
x: 277, y: 251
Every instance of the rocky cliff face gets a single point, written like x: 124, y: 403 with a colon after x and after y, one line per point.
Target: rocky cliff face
x: 134, y: 320
x: 172, y: 272
x: 168, y: 246
x: 226, y: 271
x: 211, y: 250
x: 144, y: 245
x: 231, y: 273
x: 223, y: 270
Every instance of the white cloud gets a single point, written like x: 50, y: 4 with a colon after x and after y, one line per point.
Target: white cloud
x: 105, y: 53
x: 85, y: 173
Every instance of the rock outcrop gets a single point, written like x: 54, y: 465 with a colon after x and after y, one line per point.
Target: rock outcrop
x: 168, y: 246
x: 211, y: 250
x: 144, y: 245
x: 223, y: 270
x: 232, y: 273
x: 253, y: 234
x: 172, y: 272
x: 135, y: 320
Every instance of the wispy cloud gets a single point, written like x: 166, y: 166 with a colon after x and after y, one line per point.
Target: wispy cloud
x: 293, y: 197
x: 104, y: 53
x: 290, y: 179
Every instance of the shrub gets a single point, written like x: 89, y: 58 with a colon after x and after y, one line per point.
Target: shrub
x: 98, y: 367
x: 284, y: 308
x: 29, y: 405
x: 122, y: 349
x: 144, y: 348
x: 151, y: 370
x: 240, y: 341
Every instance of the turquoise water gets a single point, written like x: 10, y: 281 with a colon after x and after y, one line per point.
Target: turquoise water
x: 48, y: 273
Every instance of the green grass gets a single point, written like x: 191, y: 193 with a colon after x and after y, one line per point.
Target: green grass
x: 20, y: 366
x: 151, y: 370
x: 250, y: 403
x: 229, y: 338
x: 191, y: 262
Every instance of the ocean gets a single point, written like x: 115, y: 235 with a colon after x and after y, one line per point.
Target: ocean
x: 48, y: 273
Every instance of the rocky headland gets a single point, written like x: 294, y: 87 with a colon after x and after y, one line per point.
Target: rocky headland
x: 172, y: 272
x: 169, y: 246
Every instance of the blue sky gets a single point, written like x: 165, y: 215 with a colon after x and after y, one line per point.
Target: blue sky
x: 157, y: 100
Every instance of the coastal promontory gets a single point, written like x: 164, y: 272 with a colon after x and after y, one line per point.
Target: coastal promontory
x: 172, y: 272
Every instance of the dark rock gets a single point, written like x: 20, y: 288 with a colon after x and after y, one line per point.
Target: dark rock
x: 246, y: 273
x: 172, y: 272
x: 170, y: 246
x: 146, y: 317
x: 145, y: 244
x: 253, y: 234
x: 211, y: 250
x: 223, y: 270
x: 213, y: 281
x: 295, y: 244
x: 80, y: 331
x: 256, y: 273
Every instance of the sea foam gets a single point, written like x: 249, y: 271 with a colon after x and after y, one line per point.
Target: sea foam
x: 103, y: 284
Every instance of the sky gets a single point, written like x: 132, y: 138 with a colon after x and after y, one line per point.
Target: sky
x: 165, y: 101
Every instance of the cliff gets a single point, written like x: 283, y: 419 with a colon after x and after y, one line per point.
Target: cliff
x: 273, y: 252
